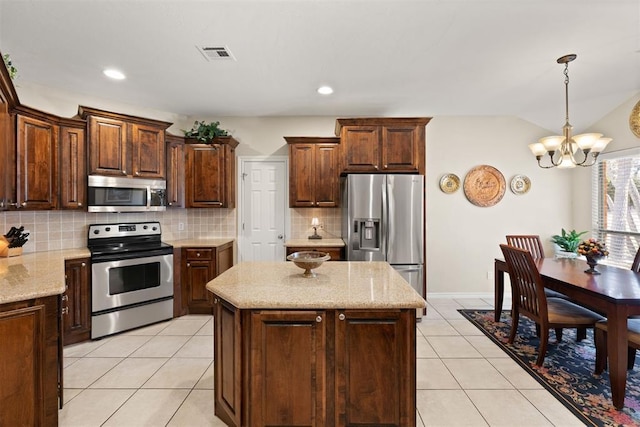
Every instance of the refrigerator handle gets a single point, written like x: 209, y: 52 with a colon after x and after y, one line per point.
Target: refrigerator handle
x: 384, y: 223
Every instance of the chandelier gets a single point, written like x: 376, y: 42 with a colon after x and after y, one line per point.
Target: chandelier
x: 563, y: 150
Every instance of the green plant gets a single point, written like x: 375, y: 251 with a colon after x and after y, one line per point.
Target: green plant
x: 13, y: 71
x: 205, y: 132
x: 568, y: 241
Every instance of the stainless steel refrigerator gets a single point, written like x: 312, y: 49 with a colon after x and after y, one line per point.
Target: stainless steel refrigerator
x: 383, y: 220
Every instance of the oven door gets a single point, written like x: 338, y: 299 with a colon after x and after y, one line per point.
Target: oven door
x: 121, y: 283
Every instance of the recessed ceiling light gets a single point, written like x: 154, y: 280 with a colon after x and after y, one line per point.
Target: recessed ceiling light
x: 325, y: 90
x: 114, y: 74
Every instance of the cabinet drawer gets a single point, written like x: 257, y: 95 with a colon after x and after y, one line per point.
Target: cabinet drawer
x: 195, y: 254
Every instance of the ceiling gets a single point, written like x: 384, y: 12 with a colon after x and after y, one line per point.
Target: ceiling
x: 383, y: 58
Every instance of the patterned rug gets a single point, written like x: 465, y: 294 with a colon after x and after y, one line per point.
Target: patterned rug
x: 567, y: 371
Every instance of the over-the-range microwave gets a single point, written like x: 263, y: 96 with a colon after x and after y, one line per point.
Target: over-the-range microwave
x: 119, y: 194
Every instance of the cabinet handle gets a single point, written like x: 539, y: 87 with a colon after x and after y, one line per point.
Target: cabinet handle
x: 124, y: 172
x: 84, y: 264
x: 23, y: 204
x: 79, y: 204
x: 65, y: 297
x: 188, y: 264
x: 197, y: 253
x: 65, y: 310
x: 319, y: 319
x: 341, y: 316
x: 216, y: 300
x: 137, y: 173
x: 170, y: 204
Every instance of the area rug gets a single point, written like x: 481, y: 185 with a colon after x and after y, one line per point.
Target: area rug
x: 567, y: 371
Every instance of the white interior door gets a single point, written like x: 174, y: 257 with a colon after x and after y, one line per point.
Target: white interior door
x: 263, y: 210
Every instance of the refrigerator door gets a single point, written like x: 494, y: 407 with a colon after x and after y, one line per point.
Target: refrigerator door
x: 404, y: 227
x: 413, y: 275
x: 363, y: 227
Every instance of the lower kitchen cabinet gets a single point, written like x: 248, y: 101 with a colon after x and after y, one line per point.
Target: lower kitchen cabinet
x: 30, y: 362
x: 199, y: 266
x: 338, y: 367
x: 336, y: 253
x: 76, y: 302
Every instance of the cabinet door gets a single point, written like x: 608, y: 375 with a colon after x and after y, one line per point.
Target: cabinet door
x: 302, y: 175
x: 401, y: 148
x: 205, y: 176
x: 375, y: 351
x: 37, y: 166
x: 291, y: 342
x: 76, y: 310
x: 197, y: 272
x: 29, y: 361
x: 7, y: 152
x: 148, y: 159
x: 227, y: 351
x: 326, y: 176
x: 361, y: 148
x: 108, y: 151
x: 175, y: 174
x: 73, y: 168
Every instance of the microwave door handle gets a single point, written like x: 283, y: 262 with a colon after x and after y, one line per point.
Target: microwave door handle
x: 148, y: 196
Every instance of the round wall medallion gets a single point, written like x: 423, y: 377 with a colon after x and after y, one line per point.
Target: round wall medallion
x: 520, y: 184
x: 449, y: 183
x: 484, y: 186
x: 634, y: 120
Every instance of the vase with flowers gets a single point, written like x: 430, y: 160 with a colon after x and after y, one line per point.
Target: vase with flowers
x: 594, y: 251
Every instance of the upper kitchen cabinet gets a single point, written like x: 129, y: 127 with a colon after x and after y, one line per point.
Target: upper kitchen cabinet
x: 314, y: 175
x: 37, y: 160
x: 210, y: 174
x: 8, y: 101
x: 383, y: 145
x: 73, y: 165
x: 175, y: 171
x: 124, y: 145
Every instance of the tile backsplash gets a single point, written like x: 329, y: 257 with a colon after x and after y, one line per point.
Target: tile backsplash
x: 329, y: 218
x: 53, y: 230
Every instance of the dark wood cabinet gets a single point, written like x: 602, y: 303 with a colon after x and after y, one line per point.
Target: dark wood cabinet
x: 8, y: 101
x: 199, y: 266
x: 124, y: 145
x: 338, y: 367
x: 30, y: 360
x: 175, y: 171
x: 336, y: 252
x: 293, y: 399
x: 76, y: 302
x: 373, y: 354
x: 314, y: 175
x: 37, y: 163
x: 210, y: 174
x: 73, y: 167
x: 382, y: 145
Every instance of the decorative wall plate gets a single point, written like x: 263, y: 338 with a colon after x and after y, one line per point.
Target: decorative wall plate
x: 634, y: 120
x: 449, y: 183
x: 520, y: 184
x: 484, y: 186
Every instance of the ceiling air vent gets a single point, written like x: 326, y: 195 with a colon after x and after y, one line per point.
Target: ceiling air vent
x: 216, y: 53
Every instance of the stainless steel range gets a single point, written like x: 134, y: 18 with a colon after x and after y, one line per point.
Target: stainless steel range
x: 131, y: 276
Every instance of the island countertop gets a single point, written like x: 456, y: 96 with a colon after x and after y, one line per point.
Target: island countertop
x: 337, y: 285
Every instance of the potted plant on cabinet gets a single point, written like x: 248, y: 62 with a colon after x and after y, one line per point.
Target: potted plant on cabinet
x: 567, y: 243
x: 204, y: 133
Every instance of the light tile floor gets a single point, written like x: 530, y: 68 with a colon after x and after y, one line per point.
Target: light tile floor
x: 162, y: 375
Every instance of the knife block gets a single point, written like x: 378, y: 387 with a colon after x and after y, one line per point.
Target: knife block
x: 6, y: 251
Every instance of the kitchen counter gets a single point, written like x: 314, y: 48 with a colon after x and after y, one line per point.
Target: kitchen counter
x: 194, y: 243
x: 345, y: 285
x: 35, y: 275
x: 319, y: 243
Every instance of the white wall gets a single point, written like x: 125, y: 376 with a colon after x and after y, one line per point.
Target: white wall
x: 462, y: 239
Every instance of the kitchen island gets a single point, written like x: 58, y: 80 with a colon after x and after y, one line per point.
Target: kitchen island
x: 334, y: 350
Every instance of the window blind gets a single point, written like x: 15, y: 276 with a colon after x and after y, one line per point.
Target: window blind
x: 616, y: 205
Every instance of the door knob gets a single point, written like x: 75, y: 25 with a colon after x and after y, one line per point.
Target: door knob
x: 280, y: 236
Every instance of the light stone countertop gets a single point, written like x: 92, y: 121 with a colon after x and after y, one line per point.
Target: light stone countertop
x: 320, y: 243
x: 35, y: 275
x: 337, y: 285
x: 205, y: 242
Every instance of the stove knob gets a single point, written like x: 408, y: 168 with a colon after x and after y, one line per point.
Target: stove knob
x: 154, y: 228
x: 145, y: 227
x: 107, y: 229
x: 96, y: 231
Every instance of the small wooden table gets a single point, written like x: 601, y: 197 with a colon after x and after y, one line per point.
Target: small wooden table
x: 614, y: 293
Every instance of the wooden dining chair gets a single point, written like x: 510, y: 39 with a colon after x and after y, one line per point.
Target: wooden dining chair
x: 529, y: 300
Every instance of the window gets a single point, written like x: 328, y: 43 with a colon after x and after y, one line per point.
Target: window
x: 616, y: 205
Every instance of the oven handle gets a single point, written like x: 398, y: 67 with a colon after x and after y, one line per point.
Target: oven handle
x: 131, y: 255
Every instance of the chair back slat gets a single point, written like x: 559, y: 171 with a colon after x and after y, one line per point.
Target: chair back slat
x: 532, y: 243
x: 527, y: 288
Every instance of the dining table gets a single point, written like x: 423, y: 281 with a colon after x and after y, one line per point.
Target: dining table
x: 614, y: 293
